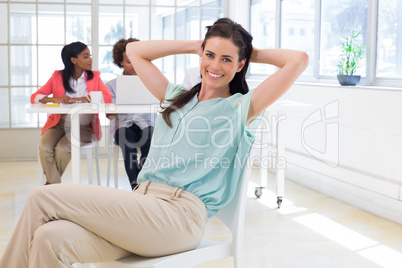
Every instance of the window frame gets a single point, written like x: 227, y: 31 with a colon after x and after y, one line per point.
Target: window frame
x: 369, y: 79
x: 95, y: 44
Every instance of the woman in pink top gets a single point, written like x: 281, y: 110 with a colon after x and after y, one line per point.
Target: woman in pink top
x: 70, y: 85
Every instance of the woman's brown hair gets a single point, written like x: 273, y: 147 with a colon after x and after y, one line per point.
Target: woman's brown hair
x: 225, y: 28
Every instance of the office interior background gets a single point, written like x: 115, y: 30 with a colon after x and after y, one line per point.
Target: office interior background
x: 347, y: 144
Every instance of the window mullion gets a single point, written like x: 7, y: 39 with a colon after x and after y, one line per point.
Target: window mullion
x: 317, y: 39
x: 278, y: 24
x: 124, y: 21
x: 9, y: 63
x: 175, y: 38
x: 371, y: 55
x: 95, y: 33
x: 37, y: 56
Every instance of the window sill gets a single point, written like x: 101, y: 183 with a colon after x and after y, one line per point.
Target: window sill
x: 255, y: 81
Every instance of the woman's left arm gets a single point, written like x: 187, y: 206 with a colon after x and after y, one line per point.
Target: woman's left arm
x: 292, y: 64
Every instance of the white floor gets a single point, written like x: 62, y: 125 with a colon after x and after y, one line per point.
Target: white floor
x: 310, y: 230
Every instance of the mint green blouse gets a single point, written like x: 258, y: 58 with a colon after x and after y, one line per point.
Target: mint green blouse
x: 206, y: 149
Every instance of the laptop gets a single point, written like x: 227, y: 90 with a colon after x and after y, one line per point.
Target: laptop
x: 130, y: 90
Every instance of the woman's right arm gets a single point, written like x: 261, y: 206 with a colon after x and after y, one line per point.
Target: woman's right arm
x: 42, y: 94
x: 64, y: 99
x: 142, y: 53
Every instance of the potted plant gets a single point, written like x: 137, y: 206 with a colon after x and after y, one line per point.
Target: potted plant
x: 351, y: 54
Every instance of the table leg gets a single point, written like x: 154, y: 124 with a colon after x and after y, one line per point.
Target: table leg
x: 264, y: 159
x: 280, y: 154
x: 75, y: 147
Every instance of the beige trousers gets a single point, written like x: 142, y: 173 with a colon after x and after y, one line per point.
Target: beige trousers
x: 55, y: 149
x: 62, y: 224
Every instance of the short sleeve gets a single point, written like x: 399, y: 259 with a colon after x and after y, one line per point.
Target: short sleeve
x: 173, y: 90
x: 242, y: 104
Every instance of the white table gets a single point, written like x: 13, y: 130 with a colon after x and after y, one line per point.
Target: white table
x: 74, y: 110
x: 277, y: 113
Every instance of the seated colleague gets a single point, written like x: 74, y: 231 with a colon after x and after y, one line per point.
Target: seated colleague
x: 130, y: 131
x: 193, y: 168
x: 70, y: 85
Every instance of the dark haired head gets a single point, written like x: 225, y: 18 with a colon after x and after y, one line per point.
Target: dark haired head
x: 71, y: 51
x: 119, y: 48
x: 225, y: 28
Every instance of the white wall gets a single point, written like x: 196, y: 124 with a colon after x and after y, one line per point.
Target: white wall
x: 348, y: 144
x: 22, y: 144
x: 19, y: 144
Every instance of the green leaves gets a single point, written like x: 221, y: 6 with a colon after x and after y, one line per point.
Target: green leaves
x: 351, y: 54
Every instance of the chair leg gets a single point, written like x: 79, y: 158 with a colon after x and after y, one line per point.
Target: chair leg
x: 97, y: 164
x: 89, y: 164
x: 109, y: 160
x: 238, y: 258
x: 115, y: 165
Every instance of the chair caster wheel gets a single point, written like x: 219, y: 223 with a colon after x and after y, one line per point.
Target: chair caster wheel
x: 279, y: 201
x: 258, y: 191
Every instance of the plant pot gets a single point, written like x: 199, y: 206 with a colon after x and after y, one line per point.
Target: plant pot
x: 348, y: 80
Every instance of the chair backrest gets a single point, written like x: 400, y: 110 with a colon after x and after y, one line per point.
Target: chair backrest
x: 233, y: 214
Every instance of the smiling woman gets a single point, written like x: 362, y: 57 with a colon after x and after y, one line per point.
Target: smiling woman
x: 222, y: 94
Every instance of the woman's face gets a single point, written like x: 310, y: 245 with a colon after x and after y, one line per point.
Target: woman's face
x: 220, y: 63
x: 83, y: 61
x: 127, y: 66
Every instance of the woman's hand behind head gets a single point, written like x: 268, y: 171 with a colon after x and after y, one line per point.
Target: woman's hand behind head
x: 200, y: 49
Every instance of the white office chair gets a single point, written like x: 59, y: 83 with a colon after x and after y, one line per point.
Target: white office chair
x: 86, y: 149
x: 232, y: 215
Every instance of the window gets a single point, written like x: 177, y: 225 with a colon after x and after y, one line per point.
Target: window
x: 296, y: 16
x: 33, y: 32
x: 389, y: 41
x: 338, y: 20
x: 291, y: 31
x: 263, y: 30
x: 318, y: 27
x: 184, y: 21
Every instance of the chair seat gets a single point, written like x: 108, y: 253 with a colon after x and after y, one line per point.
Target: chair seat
x: 206, y: 251
x: 90, y: 145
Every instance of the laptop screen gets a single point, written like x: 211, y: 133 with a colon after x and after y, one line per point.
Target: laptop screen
x: 131, y: 90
